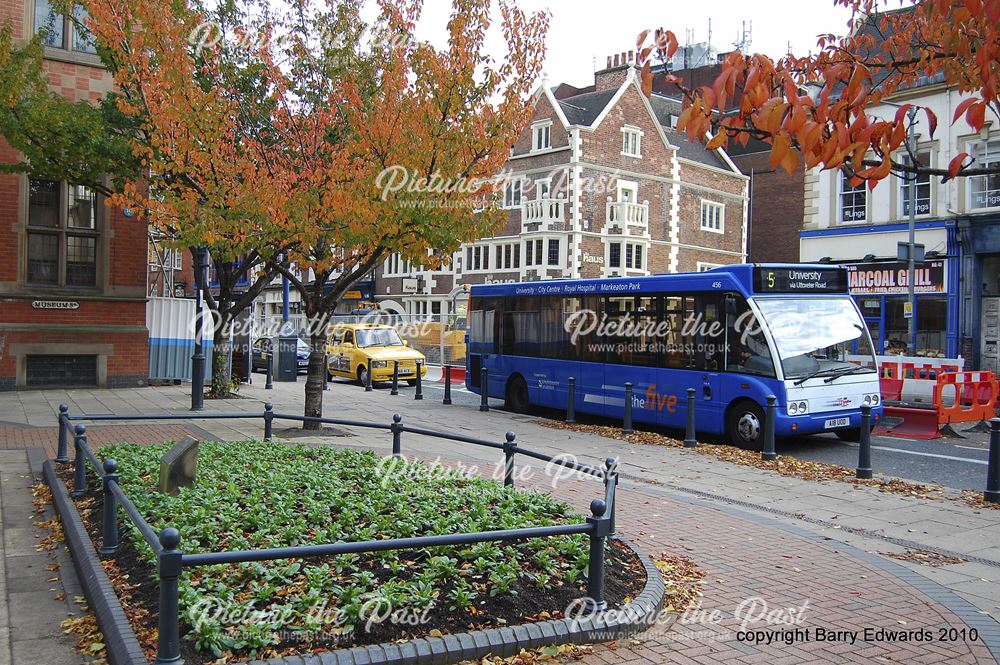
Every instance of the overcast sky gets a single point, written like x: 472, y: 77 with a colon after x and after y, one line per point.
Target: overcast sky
x: 585, y: 31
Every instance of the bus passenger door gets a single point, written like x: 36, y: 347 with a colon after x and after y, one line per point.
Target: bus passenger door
x: 709, y: 337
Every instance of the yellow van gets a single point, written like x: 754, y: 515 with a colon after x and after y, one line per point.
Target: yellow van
x: 352, y: 344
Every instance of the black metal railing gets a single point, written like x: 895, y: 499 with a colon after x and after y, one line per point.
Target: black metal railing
x: 171, y: 561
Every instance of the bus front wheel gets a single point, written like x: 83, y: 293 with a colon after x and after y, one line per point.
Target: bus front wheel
x: 516, y: 398
x: 745, y: 425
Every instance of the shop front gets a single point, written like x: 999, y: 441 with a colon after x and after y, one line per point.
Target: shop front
x: 881, y: 291
x: 878, y: 281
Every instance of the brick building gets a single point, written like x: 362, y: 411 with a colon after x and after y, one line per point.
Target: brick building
x: 597, y: 185
x: 777, y: 199
x: 72, y: 270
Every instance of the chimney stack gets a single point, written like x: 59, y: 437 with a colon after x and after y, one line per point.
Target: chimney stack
x: 609, y: 62
x: 616, y: 59
x: 631, y: 56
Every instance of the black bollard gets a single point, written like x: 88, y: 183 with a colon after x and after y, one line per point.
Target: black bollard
x: 79, y: 462
x: 600, y: 529
x: 419, y: 394
x: 268, y: 420
x: 168, y: 640
x: 109, y: 527
x: 627, y: 422
x: 992, y: 493
x: 484, y: 389
x: 368, y: 377
x: 571, y: 400
x: 395, y: 378
x: 509, y: 448
x: 62, y: 453
x: 864, y: 470
x: 690, y: 441
x: 269, y: 381
x: 447, y: 385
x: 769, y: 453
x: 397, y: 430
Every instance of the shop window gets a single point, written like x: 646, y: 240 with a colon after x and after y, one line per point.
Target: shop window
x: 896, y: 326
x: 63, y: 231
x: 932, y: 324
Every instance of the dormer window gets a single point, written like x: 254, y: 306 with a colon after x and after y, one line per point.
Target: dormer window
x: 631, y: 141
x: 541, y: 133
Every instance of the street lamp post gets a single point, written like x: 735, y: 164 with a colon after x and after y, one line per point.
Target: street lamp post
x: 911, y: 145
x: 198, y: 359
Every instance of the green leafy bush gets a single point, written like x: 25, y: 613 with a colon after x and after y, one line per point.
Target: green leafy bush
x: 253, y: 495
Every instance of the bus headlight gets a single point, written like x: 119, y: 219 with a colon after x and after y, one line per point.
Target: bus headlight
x: 380, y: 363
x: 799, y: 408
x: 872, y: 399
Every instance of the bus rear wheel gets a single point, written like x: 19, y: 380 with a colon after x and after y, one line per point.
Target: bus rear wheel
x: 516, y: 397
x: 745, y: 425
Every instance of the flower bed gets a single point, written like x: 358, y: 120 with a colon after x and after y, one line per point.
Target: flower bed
x: 253, y: 495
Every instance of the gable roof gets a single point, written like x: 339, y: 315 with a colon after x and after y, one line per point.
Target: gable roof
x: 584, y: 109
x: 665, y: 108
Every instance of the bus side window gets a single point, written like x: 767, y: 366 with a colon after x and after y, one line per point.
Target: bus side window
x: 748, y: 350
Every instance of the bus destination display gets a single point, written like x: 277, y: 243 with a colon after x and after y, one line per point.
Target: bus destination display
x: 800, y: 280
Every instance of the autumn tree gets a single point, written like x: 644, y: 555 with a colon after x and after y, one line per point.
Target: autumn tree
x: 816, y: 108
x: 133, y: 145
x: 289, y: 156
x: 399, y: 148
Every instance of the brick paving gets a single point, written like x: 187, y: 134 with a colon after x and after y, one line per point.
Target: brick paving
x: 13, y: 437
x: 745, y: 555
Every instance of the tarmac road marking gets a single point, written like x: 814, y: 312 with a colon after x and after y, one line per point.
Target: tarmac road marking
x: 914, y: 452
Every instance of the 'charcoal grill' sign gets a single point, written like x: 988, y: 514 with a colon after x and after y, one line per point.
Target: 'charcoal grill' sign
x: 891, y: 278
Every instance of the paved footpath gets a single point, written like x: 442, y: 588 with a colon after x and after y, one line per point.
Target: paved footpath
x: 789, y: 542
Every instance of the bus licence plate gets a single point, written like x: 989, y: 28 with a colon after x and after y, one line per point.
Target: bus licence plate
x: 837, y: 422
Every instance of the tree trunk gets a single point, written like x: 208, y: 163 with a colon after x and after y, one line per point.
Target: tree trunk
x: 316, y: 378
x: 220, y: 349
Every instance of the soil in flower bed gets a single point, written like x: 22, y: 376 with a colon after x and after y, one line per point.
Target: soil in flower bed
x: 414, y: 593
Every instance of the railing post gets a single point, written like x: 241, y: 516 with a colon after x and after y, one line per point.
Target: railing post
x: 627, y: 423
x: 79, y: 462
x: 268, y: 421
x: 611, y: 470
x: 484, y: 390
x: 571, y: 400
x: 690, y: 439
x: 395, y: 378
x: 62, y: 452
x: 992, y: 493
x: 864, y: 469
x: 419, y: 394
x: 509, y: 448
x: 447, y: 385
x: 168, y: 641
x: 269, y: 381
x: 397, y: 431
x: 600, y: 529
x: 109, y: 532
x: 769, y: 453
x: 368, y: 376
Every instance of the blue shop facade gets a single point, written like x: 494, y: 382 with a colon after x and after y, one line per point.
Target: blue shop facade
x: 957, y: 287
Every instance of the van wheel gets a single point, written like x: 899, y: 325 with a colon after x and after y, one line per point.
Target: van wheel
x: 516, y: 398
x: 745, y: 425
